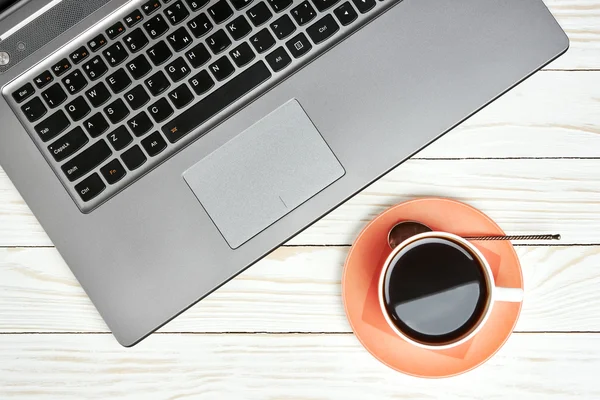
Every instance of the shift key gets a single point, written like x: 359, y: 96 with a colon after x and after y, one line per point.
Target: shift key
x: 86, y: 161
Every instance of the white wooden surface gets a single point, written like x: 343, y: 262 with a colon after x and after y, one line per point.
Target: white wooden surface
x: 531, y: 161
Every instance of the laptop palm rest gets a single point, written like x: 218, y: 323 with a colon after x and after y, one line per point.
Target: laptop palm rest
x: 263, y: 173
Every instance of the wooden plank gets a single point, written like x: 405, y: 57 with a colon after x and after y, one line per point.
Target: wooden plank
x: 293, y: 290
x: 523, y: 196
x: 581, y: 20
x: 531, y: 366
x: 552, y: 114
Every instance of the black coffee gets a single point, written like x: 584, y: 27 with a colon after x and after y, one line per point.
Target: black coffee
x: 435, y: 291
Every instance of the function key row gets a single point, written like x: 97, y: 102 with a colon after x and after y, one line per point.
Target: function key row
x: 180, y: 39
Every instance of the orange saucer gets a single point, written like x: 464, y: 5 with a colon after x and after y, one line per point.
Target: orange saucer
x: 361, y: 274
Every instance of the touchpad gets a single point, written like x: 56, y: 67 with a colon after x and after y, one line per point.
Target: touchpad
x: 263, y: 173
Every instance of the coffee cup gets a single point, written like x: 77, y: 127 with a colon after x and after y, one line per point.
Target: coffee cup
x: 436, y: 290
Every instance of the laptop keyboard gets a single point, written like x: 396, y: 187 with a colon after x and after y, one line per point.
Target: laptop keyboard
x: 156, y: 75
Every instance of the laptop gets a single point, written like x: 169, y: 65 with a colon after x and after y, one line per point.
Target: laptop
x: 167, y: 145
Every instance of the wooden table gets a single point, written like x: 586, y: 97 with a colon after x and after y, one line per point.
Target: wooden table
x: 531, y: 161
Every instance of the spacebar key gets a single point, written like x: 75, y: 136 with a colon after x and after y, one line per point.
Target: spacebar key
x: 212, y: 104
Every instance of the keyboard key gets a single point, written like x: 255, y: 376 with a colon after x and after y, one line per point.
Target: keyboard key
x: 118, y: 81
x: 133, y: 18
x: 215, y: 102
x: 54, y: 96
x: 178, y: 69
x: 78, y: 109
x: 90, y: 187
x: 218, y: 41
x: 116, y: 30
x: 299, y: 45
x: 160, y: 110
x: 34, y: 109
x: 86, y: 161
x: 180, y: 39
x: 134, y: 158
x: 95, y: 68
x: 79, y: 55
x: 159, y: 53
x: 96, y: 125
x: 280, y: 5
x: 323, y: 29
x: 156, y: 27
x: 198, y: 55
x: 242, y: 54
x: 23, y: 93
x: 119, y: 138
x: 113, y: 172
x: 278, y: 59
x: 68, y: 144
x: 157, y: 83
x: 220, y: 11
x: 202, y: 82
x: 200, y: 25
x: 154, y: 144
x: 116, y: 111
x: 137, y: 97
x: 221, y: 68
x: 259, y: 14
x: 140, y: 124
x: 195, y: 5
x: 61, y: 67
x: 345, y: 14
x: 43, y: 79
x: 52, y: 126
x: 98, y: 95
x: 364, y: 5
x: 239, y: 27
x: 303, y: 13
x: 136, y: 40
x: 97, y: 43
x: 139, y: 67
x: 262, y: 41
x: 75, y: 82
x: 323, y: 5
x: 239, y: 4
x: 150, y: 6
x: 181, y: 96
x: 176, y: 12
x: 115, y: 54
x: 283, y: 27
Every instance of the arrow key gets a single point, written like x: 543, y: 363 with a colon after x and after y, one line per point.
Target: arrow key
x: 364, y: 5
x: 345, y: 14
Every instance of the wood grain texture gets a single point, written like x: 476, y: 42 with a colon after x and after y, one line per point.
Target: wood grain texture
x: 310, y: 367
x: 581, y: 20
x: 293, y: 290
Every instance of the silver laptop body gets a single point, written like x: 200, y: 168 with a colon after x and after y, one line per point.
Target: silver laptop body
x: 164, y: 161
